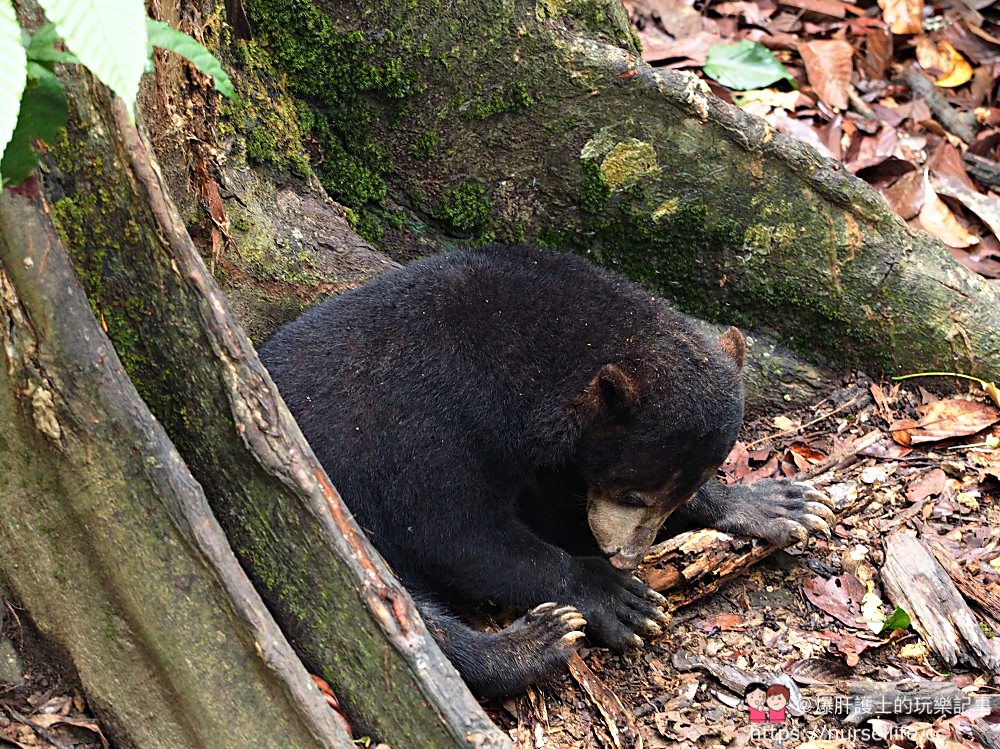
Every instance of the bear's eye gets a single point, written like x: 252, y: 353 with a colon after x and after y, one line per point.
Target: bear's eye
x: 632, y: 499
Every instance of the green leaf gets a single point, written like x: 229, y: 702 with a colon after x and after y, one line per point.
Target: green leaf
x: 167, y: 37
x: 109, y: 37
x: 43, y: 115
x: 898, y: 619
x: 42, y: 47
x: 13, y: 67
x: 744, y: 65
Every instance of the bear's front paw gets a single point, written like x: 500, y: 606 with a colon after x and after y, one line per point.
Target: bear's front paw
x: 549, y: 631
x: 617, y: 605
x: 785, y: 512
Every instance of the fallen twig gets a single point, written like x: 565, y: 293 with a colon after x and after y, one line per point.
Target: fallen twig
x: 985, y: 171
x: 842, y: 458
x: 962, y: 124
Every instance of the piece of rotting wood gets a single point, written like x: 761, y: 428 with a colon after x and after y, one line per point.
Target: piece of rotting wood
x: 986, y: 599
x: 918, y: 583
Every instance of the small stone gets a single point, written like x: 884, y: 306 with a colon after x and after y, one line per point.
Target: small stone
x: 11, y: 665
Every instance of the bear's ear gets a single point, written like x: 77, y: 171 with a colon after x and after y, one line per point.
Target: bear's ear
x: 734, y: 344
x: 613, y: 392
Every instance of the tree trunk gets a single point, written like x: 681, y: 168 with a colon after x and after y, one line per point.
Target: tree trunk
x: 538, y: 119
x: 108, y: 540
x: 193, y: 366
x: 274, y: 239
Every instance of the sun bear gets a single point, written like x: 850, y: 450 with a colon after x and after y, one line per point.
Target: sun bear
x: 511, y: 426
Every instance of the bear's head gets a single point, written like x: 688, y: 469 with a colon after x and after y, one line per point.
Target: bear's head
x: 661, y: 426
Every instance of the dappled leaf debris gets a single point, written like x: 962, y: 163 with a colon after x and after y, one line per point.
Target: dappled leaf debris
x: 903, y: 92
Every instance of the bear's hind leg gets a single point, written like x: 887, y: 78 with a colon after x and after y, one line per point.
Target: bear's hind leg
x: 504, y: 663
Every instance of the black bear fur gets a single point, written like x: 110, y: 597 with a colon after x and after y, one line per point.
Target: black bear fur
x: 469, y: 405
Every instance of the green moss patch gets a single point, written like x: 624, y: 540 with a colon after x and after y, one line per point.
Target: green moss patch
x: 511, y: 98
x: 466, y: 209
x: 337, y: 74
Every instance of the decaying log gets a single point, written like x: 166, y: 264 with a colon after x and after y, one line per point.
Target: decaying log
x: 918, y: 583
x: 706, y: 556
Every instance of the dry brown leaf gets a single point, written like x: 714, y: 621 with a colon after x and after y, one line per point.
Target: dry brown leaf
x: 941, y: 56
x: 47, y: 721
x: 850, y: 646
x: 930, y: 484
x: 937, y: 218
x: 868, y: 151
x: 750, y: 12
x: 690, y: 51
x: 952, y: 417
x: 878, y: 51
x: 988, y: 209
x: 679, y: 19
x: 838, y: 596
x: 946, y: 162
x: 797, y: 128
x: 828, y: 67
x: 804, y: 456
x: 913, y: 651
x: 724, y: 622
x: 903, y: 16
x: 764, y: 472
x: 906, y: 196
x: 983, y: 34
x: 784, y: 423
x: 832, y: 8
x: 8, y: 740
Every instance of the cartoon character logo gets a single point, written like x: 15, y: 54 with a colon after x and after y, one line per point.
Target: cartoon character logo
x: 777, y: 700
x: 756, y: 699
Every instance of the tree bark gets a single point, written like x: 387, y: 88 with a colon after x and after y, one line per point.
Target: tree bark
x: 538, y: 119
x: 331, y: 593
x: 108, y: 540
x: 176, y: 337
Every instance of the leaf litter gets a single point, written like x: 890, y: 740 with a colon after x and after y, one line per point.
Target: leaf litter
x: 839, y: 76
x: 904, y: 92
